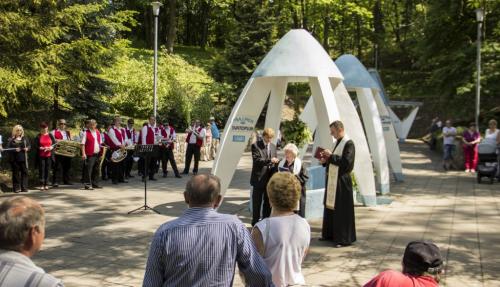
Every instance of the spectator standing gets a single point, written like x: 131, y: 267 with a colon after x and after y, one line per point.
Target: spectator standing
x: 215, y: 137
x: 422, y: 267
x: 436, y: 125
x: 178, y: 258
x: 283, y: 238
x: 22, y: 232
x: 44, y: 144
x: 449, y: 134
x: 492, y: 133
x: 207, y: 144
x: 19, y: 159
x: 470, y: 139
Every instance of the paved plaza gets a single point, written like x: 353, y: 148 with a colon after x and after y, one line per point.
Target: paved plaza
x: 91, y: 241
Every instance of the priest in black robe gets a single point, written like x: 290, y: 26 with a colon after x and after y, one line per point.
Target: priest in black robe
x: 338, y: 217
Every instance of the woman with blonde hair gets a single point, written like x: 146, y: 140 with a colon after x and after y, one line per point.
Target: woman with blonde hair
x: 291, y: 163
x: 283, y: 238
x: 18, y: 158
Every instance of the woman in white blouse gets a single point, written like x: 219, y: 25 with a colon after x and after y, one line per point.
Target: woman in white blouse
x: 492, y: 134
x: 283, y: 238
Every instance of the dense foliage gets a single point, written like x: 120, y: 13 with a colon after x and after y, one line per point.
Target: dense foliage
x: 53, y: 53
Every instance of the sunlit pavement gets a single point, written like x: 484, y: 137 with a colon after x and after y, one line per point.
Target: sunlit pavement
x: 92, y: 241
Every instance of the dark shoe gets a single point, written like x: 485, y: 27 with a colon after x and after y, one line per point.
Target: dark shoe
x: 178, y: 176
x: 123, y: 181
x: 115, y: 182
x: 24, y: 190
x: 96, y: 186
x: 88, y: 187
x: 17, y: 191
x: 55, y: 185
x: 68, y: 183
x: 185, y: 172
x: 195, y: 172
x: 152, y: 178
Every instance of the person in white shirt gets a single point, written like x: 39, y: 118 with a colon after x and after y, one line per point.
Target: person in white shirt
x: 492, y: 133
x: 61, y: 133
x: 194, y: 139
x: 149, y: 136
x: 283, y: 239
x: 22, y: 232
x: 449, y: 135
x: 117, y: 137
x: 91, y: 147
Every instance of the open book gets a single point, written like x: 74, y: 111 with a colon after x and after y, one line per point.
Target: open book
x: 318, y: 154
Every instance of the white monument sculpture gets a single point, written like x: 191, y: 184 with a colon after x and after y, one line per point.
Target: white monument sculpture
x: 358, y: 80
x: 401, y: 127
x: 297, y: 57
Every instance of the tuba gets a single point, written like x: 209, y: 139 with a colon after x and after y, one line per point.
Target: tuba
x: 67, y: 148
x: 119, y: 155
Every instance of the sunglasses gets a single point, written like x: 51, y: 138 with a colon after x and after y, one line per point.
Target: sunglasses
x: 62, y: 124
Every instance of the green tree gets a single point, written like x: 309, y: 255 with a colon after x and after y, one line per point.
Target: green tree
x: 53, y: 53
x: 246, y: 45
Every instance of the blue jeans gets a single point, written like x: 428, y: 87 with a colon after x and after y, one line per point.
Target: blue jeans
x: 448, y: 151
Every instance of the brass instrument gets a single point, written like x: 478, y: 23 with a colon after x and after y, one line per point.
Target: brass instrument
x: 104, y: 149
x: 67, y: 148
x: 119, y: 155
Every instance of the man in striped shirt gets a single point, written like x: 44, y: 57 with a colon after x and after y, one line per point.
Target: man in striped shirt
x: 202, y: 247
x: 22, y: 231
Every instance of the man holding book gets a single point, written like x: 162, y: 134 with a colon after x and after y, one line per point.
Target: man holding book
x: 338, y: 218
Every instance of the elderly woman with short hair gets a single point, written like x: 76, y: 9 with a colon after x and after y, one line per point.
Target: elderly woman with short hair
x: 283, y: 238
x: 291, y: 163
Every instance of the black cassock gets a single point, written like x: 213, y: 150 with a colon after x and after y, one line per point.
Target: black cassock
x: 338, y: 224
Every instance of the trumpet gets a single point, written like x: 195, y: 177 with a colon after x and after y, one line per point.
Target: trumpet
x: 67, y: 148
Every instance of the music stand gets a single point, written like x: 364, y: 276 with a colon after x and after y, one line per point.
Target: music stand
x: 145, y: 151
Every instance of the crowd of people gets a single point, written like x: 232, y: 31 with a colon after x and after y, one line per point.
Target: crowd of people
x: 108, y: 152
x: 470, y: 140
x: 271, y: 254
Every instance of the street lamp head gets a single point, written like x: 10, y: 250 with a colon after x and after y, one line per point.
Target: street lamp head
x: 479, y: 14
x: 156, y: 8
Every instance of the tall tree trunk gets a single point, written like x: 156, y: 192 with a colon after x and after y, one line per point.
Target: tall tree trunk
x: 172, y: 25
x: 326, y: 32
x: 303, y: 11
x: 148, y: 28
x: 358, y: 37
x: 205, y: 22
x: 379, y: 32
x: 55, y: 107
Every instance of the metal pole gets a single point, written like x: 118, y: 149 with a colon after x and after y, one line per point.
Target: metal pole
x: 478, y: 80
x: 155, y: 103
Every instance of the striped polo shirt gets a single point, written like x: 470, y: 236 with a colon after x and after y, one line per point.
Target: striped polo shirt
x: 202, y: 248
x: 17, y: 270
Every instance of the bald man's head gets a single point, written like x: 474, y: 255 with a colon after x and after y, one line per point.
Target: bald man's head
x: 203, y: 190
x: 18, y: 215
